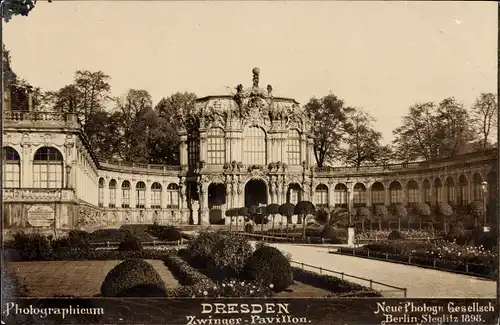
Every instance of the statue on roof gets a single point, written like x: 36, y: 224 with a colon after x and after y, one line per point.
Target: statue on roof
x: 256, y: 72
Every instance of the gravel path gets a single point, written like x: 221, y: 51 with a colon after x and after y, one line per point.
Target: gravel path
x: 420, y: 282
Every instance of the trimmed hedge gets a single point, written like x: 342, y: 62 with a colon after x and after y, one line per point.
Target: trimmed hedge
x: 76, y: 254
x: 130, y: 244
x: 166, y: 233
x: 133, y: 278
x: 395, y: 235
x: 185, y: 274
x: 270, y: 266
x: 338, y: 286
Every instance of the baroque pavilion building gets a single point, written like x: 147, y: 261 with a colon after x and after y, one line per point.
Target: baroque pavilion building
x: 247, y: 149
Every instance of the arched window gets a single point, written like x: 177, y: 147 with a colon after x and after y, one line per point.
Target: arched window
x: 359, y: 195
x: 293, y: 147
x: 413, y: 193
x: 254, y: 150
x: 11, y: 168
x: 395, y: 193
x: 156, y: 195
x: 321, y: 196
x: 378, y: 193
x: 140, y: 190
x: 216, y: 148
x: 126, y: 194
x: 172, y: 196
x: 112, y: 193
x: 48, y: 168
x: 101, y: 192
x: 340, y: 195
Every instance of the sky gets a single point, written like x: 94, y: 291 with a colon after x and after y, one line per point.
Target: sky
x: 380, y: 56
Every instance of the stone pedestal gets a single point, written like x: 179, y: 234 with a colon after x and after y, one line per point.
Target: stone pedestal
x: 350, y: 236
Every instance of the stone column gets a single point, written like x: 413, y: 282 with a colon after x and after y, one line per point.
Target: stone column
x: 228, y: 147
x: 387, y: 193
x: 204, y: 215
x: 404, y: 188
x: 25, y: 172
x: 147, y: 198
x: 183, y: 150
x: 368, y: 195
x: 203, y: 146
x: 119, y: 199
x: 303, y: 147
x: 331, y: 194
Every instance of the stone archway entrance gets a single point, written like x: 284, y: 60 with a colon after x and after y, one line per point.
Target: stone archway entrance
x: 255, y: 193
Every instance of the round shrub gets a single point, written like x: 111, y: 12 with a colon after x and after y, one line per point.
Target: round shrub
x: 130, y: 244
x: 133, y: 278
x: 395, y: 235
x: 269, y: 266
x: 32, y: 246
x: 249, y: 228
x: 229, y: 255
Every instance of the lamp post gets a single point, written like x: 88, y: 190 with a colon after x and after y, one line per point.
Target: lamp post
x: 484, y: 187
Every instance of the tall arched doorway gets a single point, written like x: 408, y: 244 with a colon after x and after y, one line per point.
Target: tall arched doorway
x: 255, y: 193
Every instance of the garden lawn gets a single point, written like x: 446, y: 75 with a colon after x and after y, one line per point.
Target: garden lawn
x: 302, y: 290
x: 72, y: 278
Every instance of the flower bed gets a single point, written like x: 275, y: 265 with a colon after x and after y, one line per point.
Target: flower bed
x: 407, y: 234
x: 228, y: 277
x: 440, y: 254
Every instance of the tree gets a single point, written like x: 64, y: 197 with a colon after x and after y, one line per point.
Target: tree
x: 330, y: 126
x: 381, y: 213
x: 445, y: 212
x: 476, y: 209
x: 12, y: 8
x: 9, y: 76
x: 303, y: 209
x: 423, y: 211
x: 416, y: 137
x: 432, y: 131
x: 241, y: 212
x: 364, y: 214
x: 272, y: 210
x: 362, y: 140
x: 287, y: 211
x: 322, y: 216
x: 174, y: 106
x: 485, y: 115
x: 454, y: 129
x: 401, y: 213
x: 230, y: 213
x: 86, y: 96
x: 339, y: 217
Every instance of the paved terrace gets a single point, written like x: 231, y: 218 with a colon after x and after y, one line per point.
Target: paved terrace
x: 420, y: 282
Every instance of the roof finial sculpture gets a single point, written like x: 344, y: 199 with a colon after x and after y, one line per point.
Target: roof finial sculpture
x: 269, y: 90
x: 256, y: 72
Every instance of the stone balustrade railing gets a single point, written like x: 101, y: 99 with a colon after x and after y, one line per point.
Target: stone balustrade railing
x: 38, y: 117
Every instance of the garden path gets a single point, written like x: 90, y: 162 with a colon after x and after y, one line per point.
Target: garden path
x: 72, y: 278
x: 420, y: 282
